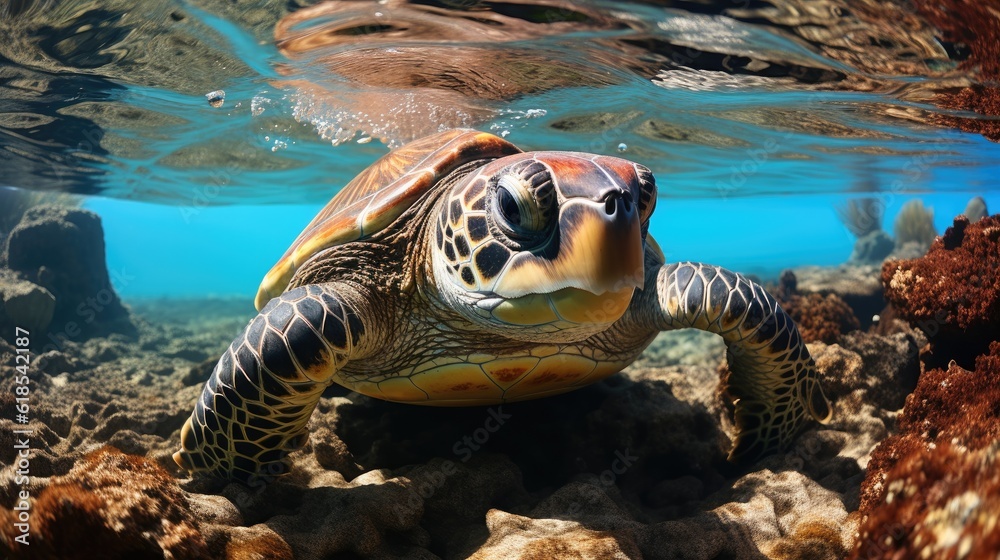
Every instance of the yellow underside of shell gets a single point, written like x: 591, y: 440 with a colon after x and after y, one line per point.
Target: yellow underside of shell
x: 496, y: 381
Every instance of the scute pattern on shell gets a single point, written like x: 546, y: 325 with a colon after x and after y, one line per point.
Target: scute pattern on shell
x: 380, y: 194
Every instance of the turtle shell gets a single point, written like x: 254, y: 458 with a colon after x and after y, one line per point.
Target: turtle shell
x: 380, y: 194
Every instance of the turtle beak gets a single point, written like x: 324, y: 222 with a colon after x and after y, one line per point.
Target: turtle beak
x: 599, y: 250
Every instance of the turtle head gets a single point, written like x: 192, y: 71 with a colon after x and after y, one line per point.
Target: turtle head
x: 544, y: 245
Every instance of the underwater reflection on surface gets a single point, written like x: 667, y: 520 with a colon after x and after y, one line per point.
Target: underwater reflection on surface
x: 726, y: 98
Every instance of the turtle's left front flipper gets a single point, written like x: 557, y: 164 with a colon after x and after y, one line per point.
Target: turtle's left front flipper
x: 254, y: 409
x: 773, y: 377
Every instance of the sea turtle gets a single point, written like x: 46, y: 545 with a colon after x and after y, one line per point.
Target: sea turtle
x: 459, y: 270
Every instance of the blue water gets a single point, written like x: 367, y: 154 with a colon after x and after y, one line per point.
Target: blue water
x: 202, y: 200
x: 162, y: 250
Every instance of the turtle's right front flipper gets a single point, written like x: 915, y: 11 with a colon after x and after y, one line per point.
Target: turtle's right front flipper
x: 772, y: 376
x: 254, y: 409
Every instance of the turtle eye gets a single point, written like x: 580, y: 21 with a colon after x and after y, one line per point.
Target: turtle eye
x: 507, y: 205
x: 524, y: 201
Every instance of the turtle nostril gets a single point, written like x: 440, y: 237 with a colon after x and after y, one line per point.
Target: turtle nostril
x: 615, y: 200
x: 610, y: 203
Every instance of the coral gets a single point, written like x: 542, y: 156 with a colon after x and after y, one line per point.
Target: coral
x: 868, y: 378
x: 976, y: 210
x: 914, y: 224
x: 971, y: 23
x: 820, y: 317
x: 783, y: 515
x: 943, y: 503
x: 521, y: 538
x: 256, y: 543
x: 110, y: 505
x: 975, y: 26
x: 857, y: 284
x: 861, y: 215
x: 884, y: 368
x: 364, y: 517
x: 977, y: 98
x: 935, y: 486
x: 872, y: 248
x: 762, y: 516
x: 951, y: 405
x: 957, y: 405
x: 952, y: 293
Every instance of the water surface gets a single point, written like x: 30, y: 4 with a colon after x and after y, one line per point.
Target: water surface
x: 758, y: 118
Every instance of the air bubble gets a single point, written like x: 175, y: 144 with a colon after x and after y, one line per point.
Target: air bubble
x: 216, y: 98
x: 258, y: 104
x: 622, y: 147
